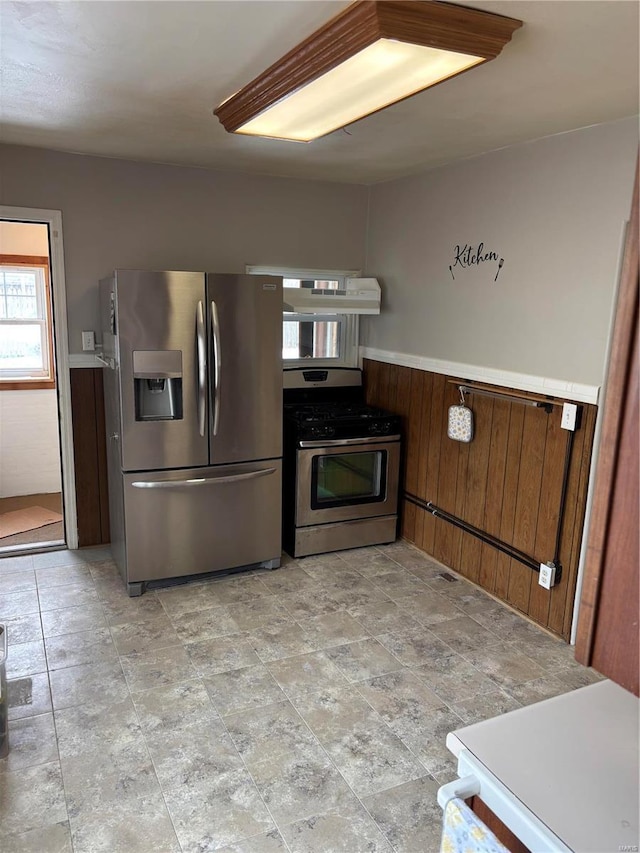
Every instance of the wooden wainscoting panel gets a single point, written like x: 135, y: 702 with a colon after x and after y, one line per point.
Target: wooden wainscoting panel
x: 87, y: 412
x: 510, y: 490
x: 419, y: 424
x: 561, y: 606
x: 527, y: 503
x: 85, y: 456
x: 433, y: 439
x: 462, y: 474
x: 372, y: 381
x: 401, y: 380
x: 403, y: 392
x: 383, y: 384
x: 394, y: 387
x: 407, y: 520
x: 448, y: 539
x: 419, y: 529
x: 413, y: 442
x: 472, y: 484
x: 507, y: 482
x: 557, y: 445
x: 493, y: 510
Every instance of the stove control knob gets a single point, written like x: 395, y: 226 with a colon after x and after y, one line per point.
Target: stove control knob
x: 322, y: 431
x: 380, y: 428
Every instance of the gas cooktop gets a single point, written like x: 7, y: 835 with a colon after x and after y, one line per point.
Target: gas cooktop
x: 329, y: 404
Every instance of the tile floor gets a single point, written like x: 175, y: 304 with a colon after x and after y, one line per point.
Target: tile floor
x: 300, y: 710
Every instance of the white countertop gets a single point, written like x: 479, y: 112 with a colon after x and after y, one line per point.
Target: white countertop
x: 571, y: 761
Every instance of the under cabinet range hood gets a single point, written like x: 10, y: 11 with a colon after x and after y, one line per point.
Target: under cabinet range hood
x: 358, y: 296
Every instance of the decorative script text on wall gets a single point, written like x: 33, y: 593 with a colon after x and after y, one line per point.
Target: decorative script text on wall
x: 467, y: 256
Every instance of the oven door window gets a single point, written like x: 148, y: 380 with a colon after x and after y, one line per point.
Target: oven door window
x: 345, y: 479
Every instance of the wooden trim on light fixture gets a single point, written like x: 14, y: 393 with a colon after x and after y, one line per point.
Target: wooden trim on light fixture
x: 425, y: 22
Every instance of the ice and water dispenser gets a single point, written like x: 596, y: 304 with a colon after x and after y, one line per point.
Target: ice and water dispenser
x: 157, y: 380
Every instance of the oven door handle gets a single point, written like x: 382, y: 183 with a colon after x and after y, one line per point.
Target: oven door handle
x: 345, y: 442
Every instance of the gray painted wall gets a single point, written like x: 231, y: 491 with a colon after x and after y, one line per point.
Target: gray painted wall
x: 554, y: 209
x: 118, y: 213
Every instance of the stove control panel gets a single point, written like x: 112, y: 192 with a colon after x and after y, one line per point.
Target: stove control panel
x: 381, y: 428
x: 321, y: 431
x: 345, y: 430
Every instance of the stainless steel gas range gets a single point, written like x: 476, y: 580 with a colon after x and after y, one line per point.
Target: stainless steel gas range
x: 341, y: 464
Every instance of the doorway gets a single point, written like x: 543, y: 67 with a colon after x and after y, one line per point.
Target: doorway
x: 37, y: 494
x: 30, y: 472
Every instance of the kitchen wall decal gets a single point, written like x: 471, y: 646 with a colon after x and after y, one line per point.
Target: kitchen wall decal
x: 468, y: 256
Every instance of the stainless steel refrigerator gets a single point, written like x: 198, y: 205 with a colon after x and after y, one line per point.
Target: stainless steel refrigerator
x: 193, y: 407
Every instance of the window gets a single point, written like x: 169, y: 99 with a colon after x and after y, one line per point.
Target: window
x: 327, y: 339
x: 26, y: 358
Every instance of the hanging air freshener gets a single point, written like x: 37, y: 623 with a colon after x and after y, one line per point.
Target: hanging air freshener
x: 460, y: 421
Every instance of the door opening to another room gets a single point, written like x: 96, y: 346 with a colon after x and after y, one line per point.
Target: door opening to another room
x: 31, y: 505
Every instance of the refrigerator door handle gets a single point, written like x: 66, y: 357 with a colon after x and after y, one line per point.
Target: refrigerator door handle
x: 215, y: 334
x: 201, y: 343
x: 202, y: 481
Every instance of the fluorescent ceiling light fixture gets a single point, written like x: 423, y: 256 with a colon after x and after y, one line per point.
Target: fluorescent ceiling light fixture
x: 373, y: 54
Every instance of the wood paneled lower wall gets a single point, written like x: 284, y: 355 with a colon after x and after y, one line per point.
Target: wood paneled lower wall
x: 90, y: 456
x: 507, y: 482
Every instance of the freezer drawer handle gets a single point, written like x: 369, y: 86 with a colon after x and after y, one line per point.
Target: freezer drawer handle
x: 215, y: 328
x: 201, y: 481
x: 202, y: 369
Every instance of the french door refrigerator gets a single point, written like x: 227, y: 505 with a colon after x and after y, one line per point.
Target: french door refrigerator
x: 193, y: 412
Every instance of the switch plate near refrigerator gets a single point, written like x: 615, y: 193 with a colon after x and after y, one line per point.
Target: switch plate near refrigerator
x: 88, y: 341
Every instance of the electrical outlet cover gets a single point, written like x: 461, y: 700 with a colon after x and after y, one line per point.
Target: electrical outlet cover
x: 547, y: 575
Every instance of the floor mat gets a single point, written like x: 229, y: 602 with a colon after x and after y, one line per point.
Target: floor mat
x: 30, y: 518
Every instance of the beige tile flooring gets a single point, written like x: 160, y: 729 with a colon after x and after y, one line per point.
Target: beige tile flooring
x: 300, y: 710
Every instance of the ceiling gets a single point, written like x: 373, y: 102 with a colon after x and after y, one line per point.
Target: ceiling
x: 139, y: 80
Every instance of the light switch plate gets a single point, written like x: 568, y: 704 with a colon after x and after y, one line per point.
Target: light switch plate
x: 569, y: 411
x: 88, y: 341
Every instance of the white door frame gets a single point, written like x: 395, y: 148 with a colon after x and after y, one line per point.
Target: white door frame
x: 53, y: 218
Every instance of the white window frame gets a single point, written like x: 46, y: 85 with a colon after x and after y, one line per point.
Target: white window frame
x: 349, y: 323
x: 21, y: 374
